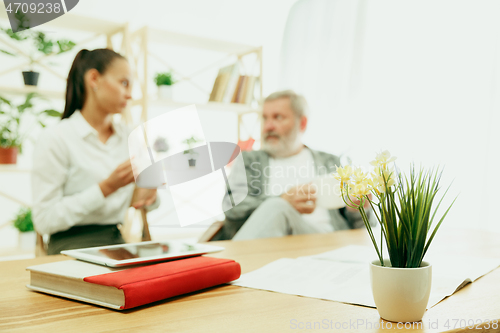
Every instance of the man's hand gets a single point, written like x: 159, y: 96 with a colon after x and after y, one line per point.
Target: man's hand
x: 302, y: 198
x: 143, y: 197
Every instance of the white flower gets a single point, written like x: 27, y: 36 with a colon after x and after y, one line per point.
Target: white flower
x: 343, y: 174
x: 381, y: 177
x: 359, y: 176
x: 359, y: 189
x: 382, y: 159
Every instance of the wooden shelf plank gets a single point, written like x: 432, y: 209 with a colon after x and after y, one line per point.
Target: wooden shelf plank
x: 14, y: 168
x: 25, y: 90
x: 212, y: 106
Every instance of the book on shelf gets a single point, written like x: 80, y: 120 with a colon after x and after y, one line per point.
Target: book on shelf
x: 223, y: 82
x: 241, y: 92
x: 249, y: 91
x: 244, y: 92
x: 231, y: 87
x: 125, y: 288
x: 237, y: 89
x: 232, y: 83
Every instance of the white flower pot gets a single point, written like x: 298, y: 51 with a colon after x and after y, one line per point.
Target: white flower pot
x: 27, y: 240
x: 165, y: 92
x: 401, y: 294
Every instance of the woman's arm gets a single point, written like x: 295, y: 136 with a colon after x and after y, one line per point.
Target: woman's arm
x: 53, y: 212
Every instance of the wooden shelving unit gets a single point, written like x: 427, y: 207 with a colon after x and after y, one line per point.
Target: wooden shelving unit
x: 135, y: 46
x: 26, y: 90
x: 140, y: 41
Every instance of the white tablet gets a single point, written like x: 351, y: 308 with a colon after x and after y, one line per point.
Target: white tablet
x: 139, y: 253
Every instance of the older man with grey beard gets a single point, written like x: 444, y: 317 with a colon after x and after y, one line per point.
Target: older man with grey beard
x: 280, y: 200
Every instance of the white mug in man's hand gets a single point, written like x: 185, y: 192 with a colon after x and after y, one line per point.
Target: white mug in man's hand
x: 328, y: 192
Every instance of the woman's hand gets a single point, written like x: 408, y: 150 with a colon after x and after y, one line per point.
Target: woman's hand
x: 143, y: 197
x: 122, y: 176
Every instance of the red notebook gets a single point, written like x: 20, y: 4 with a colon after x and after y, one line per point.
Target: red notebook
x: 125, y: 288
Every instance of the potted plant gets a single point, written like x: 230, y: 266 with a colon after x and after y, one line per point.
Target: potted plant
x: 164, y: 81
x: 39, y: 43
x: 190, y: 142
x: 161, y: 145
x: 11, y: 116
x: 24, y: 223
x: 404, y: 208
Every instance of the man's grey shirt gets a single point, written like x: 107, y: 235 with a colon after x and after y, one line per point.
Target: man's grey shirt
x: 256, y: 181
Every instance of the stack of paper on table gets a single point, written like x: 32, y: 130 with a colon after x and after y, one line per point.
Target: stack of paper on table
x: 343, y: 275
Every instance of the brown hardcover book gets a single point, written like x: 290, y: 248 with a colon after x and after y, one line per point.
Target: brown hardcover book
x: 232, y: 84
x: 220, y: 83
x: 241, y: 93
x: 224, y: 79
x: 237, y: 90
x: 214, y: 89
x: 250, y: 89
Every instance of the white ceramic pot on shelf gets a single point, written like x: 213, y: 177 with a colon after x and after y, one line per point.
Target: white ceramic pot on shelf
x: 165, y: 92
x: 27, y: 240
x: 401, y: 294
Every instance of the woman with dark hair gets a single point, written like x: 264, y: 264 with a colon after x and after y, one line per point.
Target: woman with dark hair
x: 82, y: 178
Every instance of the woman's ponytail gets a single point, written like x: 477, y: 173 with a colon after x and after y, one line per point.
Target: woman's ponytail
x: 99, y: 59
x: 75, y: 87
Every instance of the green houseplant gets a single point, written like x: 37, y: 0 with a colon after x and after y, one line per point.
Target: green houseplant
x: 190, y: 142
x: 164, y: 81
x: 24, y: 223
x: 37, y: 44
x: 11, y: 117
x: 405, y: 210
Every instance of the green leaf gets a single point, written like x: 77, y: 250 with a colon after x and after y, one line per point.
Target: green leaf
x: 23, y: 221
x: 15, y: 35
x: 7, y: 52
x: 52, y: 113
x: 164, y: 79
x: 437, y: 227
x: 43, y: 45
x: 30, y: 96
x: 65, y: 45
x: 6, y: 101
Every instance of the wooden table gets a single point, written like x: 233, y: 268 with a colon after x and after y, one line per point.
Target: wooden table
x: 235, y: 309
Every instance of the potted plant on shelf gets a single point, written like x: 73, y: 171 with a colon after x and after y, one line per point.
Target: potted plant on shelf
x: 35, y: 42
x: 164, y: 81
x: 403, y: 206
x: 11, y: 118
x: 190, y: 151
x: 161, y: 145
x: 24, y: 223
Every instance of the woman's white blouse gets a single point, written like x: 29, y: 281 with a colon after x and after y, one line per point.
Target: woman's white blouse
x: 69, y: 163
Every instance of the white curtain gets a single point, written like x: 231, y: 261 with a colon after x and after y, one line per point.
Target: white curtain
x: 419, y: 78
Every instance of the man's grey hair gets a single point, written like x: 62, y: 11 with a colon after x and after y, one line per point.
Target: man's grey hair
x: 297, y: 102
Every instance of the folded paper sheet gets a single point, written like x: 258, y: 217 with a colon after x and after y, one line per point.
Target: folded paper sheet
x: 343, y: 275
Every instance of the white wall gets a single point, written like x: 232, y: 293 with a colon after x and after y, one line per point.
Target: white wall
x: 419, y: 78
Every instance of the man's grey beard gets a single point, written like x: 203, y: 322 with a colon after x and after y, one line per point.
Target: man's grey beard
x: 286, y: 146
